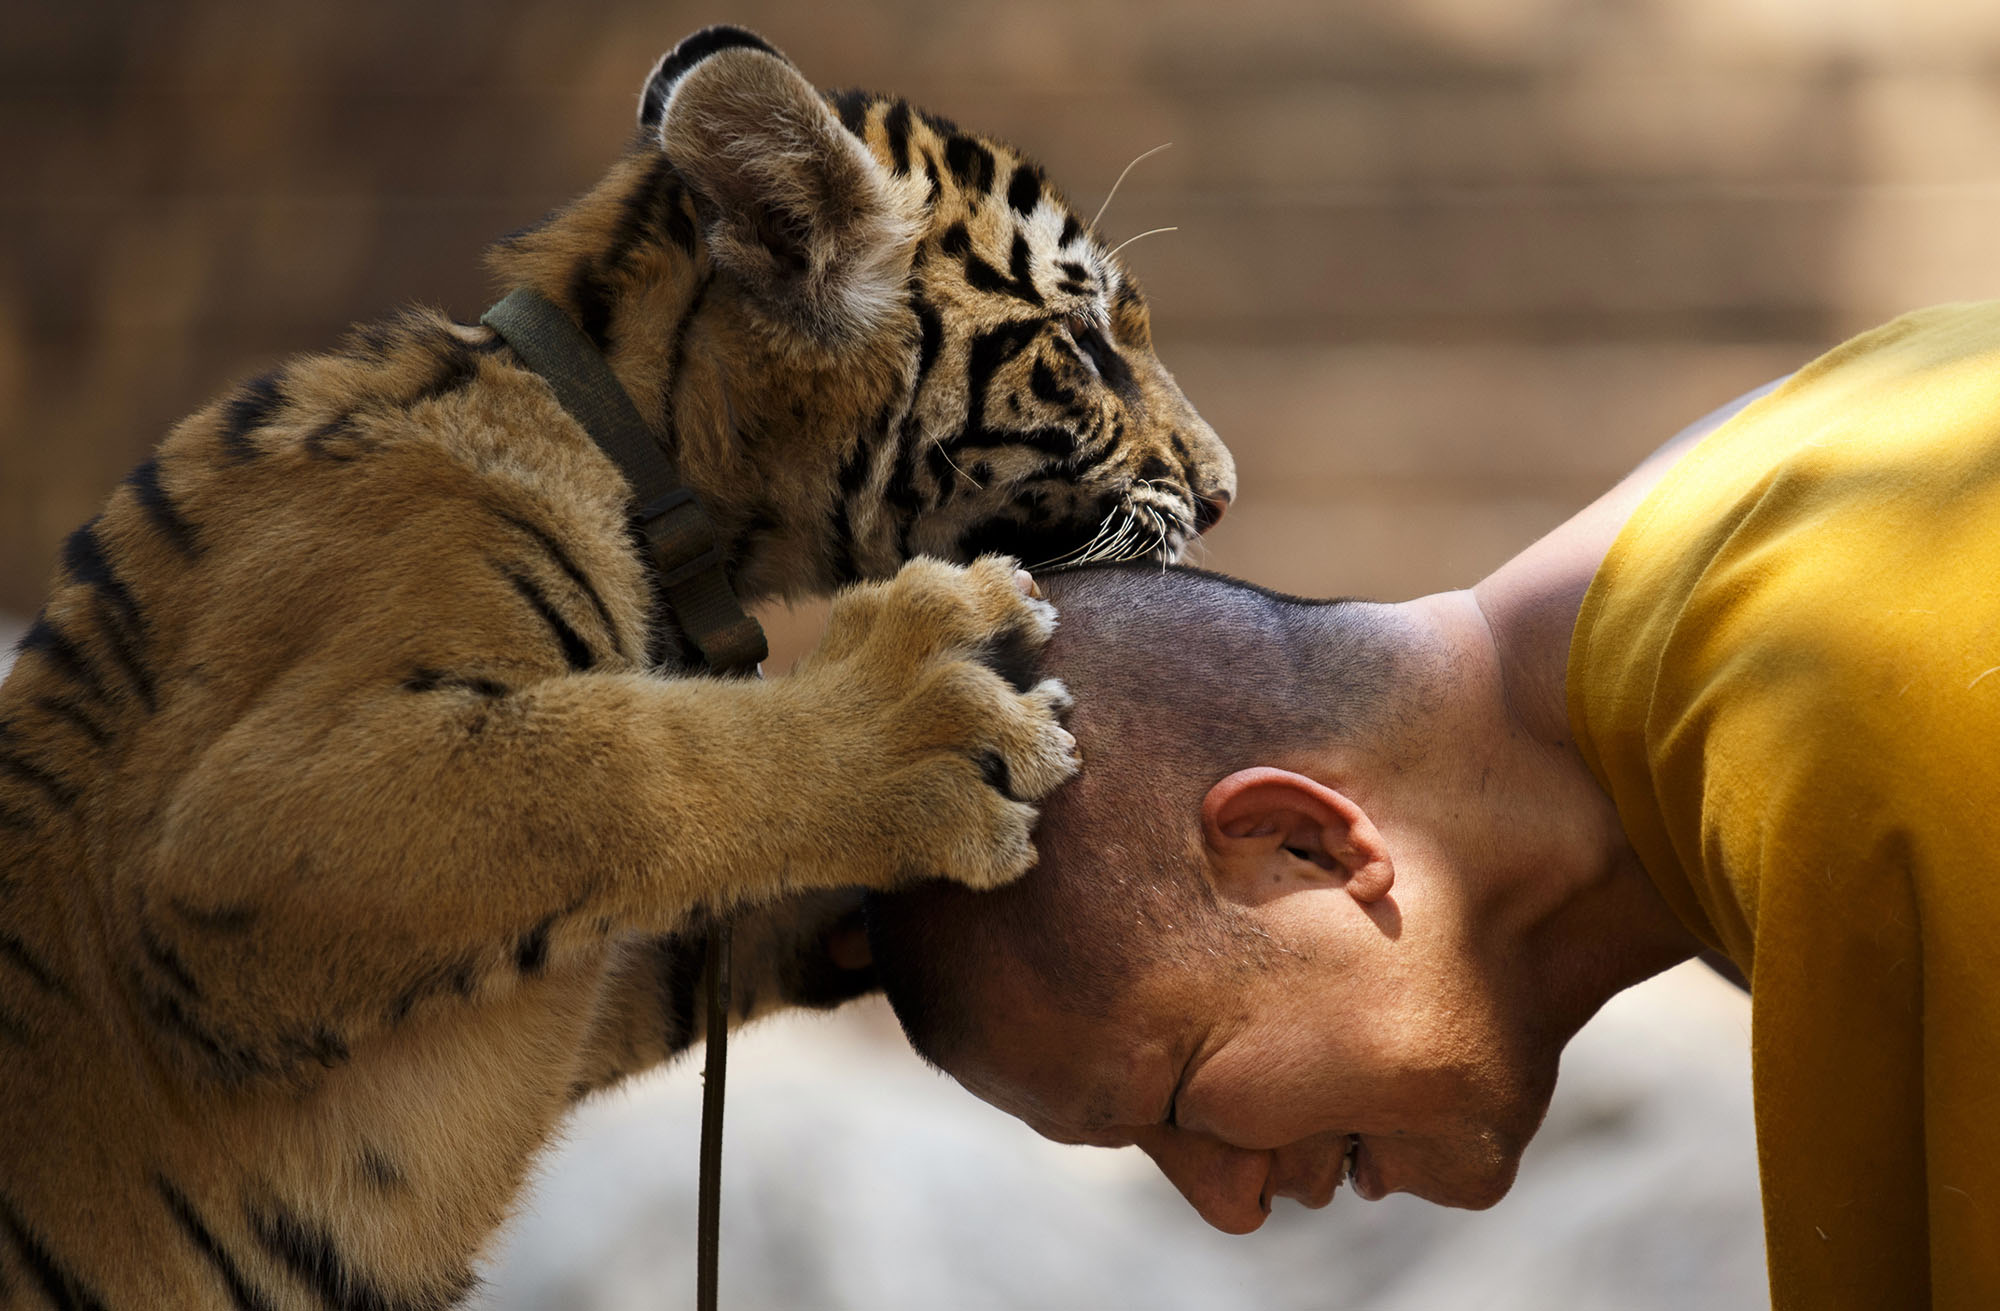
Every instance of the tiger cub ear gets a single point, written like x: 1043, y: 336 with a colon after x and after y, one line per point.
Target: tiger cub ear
x: 793, y: 205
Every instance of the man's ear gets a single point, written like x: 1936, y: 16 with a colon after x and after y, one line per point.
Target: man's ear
x: 1265, y: 826
x: 817, y: 232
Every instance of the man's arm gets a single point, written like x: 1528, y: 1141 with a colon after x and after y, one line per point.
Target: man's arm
x: 1644, y: 477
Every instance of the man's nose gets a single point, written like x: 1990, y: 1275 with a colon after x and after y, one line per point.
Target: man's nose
x: 1227, y: 1185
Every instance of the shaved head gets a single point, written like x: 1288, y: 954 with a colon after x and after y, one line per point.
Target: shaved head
x: 1159, y: 662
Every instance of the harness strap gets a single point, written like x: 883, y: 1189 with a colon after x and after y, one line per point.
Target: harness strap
x: 680, y: 538
x: 685, y: 552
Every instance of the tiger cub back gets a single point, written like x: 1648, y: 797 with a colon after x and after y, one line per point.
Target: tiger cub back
x: 353, y: 820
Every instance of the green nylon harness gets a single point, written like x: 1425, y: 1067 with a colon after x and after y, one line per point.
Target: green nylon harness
x: 685, y: 553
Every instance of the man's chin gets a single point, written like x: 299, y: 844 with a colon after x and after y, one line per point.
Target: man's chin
x: 1453, y: 1182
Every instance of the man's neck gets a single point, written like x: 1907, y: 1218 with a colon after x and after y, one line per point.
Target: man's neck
x: 1581, y: 907
x: 1566, y: 917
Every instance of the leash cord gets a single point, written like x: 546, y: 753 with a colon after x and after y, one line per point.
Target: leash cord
x: 715, y: 1073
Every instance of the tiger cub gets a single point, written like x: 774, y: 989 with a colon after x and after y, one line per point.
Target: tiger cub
x: 354, y: 820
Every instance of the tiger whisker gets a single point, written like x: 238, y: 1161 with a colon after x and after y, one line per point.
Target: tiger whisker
x: 1121, y: 182
x: 1122, y: 544
x: 1079, y: 555
x: 1107, y: 547
x: 1145, y: 543
x: 954, y: 464
x: 1129, y: 240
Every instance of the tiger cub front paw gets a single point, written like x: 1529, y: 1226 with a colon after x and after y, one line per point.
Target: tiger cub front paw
x: 946, y: 737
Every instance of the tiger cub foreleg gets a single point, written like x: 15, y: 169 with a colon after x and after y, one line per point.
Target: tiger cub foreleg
x: 500, y: 832
x: 808, y: 949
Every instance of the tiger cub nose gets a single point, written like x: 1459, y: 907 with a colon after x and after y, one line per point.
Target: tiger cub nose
x: 1208, y: 508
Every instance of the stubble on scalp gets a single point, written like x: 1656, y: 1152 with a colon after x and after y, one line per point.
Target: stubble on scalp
x: 1181, y: 677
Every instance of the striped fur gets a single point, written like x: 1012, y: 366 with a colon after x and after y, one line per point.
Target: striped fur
x: 353, y: 820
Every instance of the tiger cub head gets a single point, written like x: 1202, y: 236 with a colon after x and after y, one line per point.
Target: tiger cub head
x: 871, y: 335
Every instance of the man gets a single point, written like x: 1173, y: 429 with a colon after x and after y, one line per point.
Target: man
x: 1339, y: 880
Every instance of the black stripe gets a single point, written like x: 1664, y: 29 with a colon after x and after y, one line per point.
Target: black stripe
x: 531, y: 953
x: 896, y: 128
x: 383, y: 1174
x: 708, y: 41
x: 670, y: 388
x: 320, y: 442
x: 245, y: 1297
x: 1042, y: 382
x: 217, y: 919
x: 1071, y: 230
x: 1018, y: 282
x: 989, y: 351
x: 60, y: 794
x: 590, y: 286
x: 321, y: 1045
x: 901, y: 490
x: 852, y: 107
x: 73, y: 714
x: 592, y: 297
x: 231, y: 1061
x: 431, y: 680
x: 575, y: 650
x: 312, y: 1254
x: 840, y: 533
x: 930, y: 327
x: 855, y: 465
x: 84, y: 558
x: 1020, y: 265
x: 17, y: 953
x: 166, y: 960
x: 562, y: 560
x: 636, y: 210
x: 125, y: 654
x: 48, y: 640
x: 374, y: 341
x: 970, y: 162
x: 63, y: 1290
x: 458, y: 368
x: 1024, y: 189
x: 160, y: 508
x: 673, y: 221
x: 1110, y: 365
x: 1058, y: 443
x: 459, y: 976
x: 248, y: 411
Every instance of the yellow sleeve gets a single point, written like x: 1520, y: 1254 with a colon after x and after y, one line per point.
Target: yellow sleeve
x: 1787, y: 676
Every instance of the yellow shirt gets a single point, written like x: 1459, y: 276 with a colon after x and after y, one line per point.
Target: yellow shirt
x: 1786, y: 674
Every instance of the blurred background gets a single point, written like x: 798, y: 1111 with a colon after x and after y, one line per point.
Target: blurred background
x: 1444, y: 270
